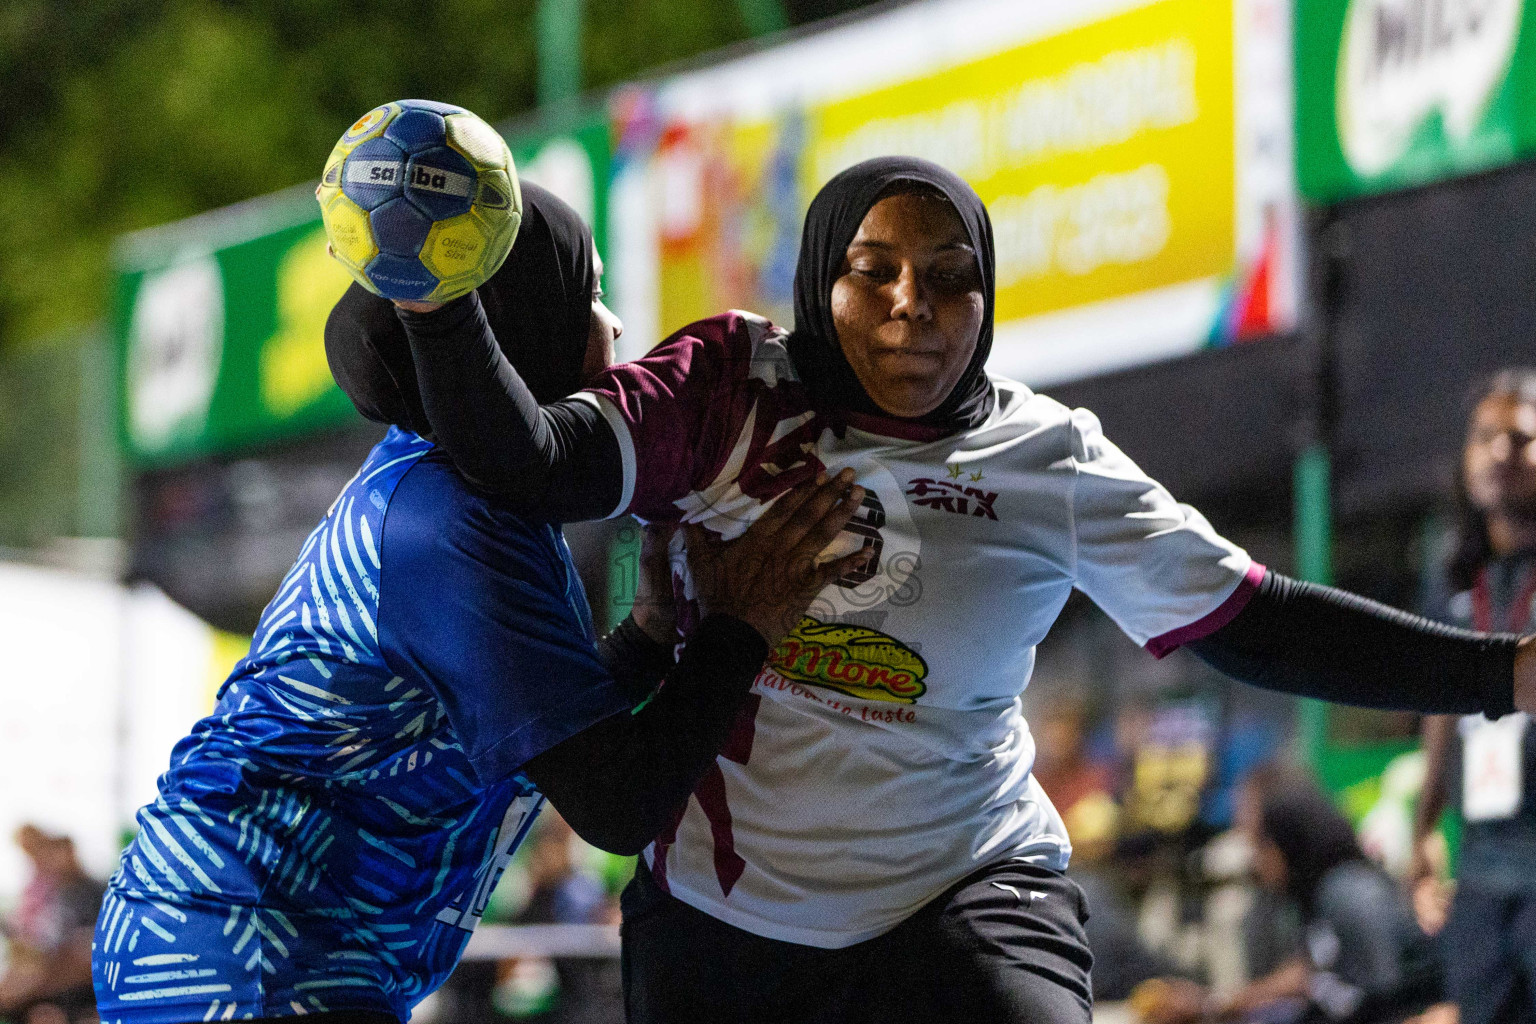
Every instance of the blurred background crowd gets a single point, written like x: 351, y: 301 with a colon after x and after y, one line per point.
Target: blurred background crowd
x: 1283, y: 248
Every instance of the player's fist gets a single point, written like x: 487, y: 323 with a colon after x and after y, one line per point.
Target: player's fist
x: 768, y: 576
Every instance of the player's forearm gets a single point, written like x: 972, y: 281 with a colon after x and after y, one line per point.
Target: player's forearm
x: 1427, y: 811
x: 1320, y: 642
x: 471, y: 394
x: 1431, y: 802
x: 621, y: 781
x: 556, y: 462
x: 637, y: 661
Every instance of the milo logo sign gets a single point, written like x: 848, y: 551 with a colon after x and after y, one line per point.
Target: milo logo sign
x: 1402, y: 62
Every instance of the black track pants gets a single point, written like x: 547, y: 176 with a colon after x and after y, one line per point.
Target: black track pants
x: 1005, y: 943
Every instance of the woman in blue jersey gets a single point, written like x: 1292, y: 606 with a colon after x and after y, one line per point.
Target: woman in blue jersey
x: 426, y: 675
x: 871, y: 843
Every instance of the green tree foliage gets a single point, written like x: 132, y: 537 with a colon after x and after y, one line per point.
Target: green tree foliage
x: 181, y: 106
x: 122, y: 114
x: 41, y: 388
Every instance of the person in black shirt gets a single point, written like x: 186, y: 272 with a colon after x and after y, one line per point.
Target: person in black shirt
x: 1360, y: 959
x: 1487, y: 769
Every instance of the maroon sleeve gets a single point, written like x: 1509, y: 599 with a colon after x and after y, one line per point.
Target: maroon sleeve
x: 674, y: 411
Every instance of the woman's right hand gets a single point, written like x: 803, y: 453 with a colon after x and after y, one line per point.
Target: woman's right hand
x: 655, y: 609
x: 768, y: 576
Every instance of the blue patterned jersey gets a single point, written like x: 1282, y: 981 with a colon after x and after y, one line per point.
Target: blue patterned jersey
x: 327, y: 838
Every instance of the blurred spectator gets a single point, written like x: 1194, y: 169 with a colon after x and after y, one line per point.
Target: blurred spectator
x: 561, y: 891
x: 553, y: 882
x: 1121, y: 961
x: 1361, y: 958
x: 48, y: 978
x: 1079, y: 787
x: 1487, y: 769
x: 1171, y: 767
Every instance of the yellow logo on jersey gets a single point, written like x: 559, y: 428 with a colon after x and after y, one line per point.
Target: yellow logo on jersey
x: 857, y: 661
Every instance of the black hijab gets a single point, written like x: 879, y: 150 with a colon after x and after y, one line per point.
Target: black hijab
x: 1311, y: 833
x: 539, y: 304
x: 830, y: 224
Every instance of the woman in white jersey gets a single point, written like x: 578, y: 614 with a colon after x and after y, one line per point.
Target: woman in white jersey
x: 871, y: 844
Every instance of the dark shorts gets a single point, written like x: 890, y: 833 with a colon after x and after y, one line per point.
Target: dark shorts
x: 1005, y: 943
x: 1489, y: 949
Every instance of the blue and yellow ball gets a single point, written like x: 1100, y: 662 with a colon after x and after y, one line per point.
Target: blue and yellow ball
x: 420, y: 200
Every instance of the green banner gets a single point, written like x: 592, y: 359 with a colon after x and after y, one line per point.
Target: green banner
x: 221, y: 318
x: 221, y: 331
x: 570, y: 158
x: 1396, y: 93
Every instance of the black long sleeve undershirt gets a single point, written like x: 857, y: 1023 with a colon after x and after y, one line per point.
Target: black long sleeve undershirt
x: 637, y: 662
x: 558, y: 462
x: 1316, y: 641
x: 619, y: 782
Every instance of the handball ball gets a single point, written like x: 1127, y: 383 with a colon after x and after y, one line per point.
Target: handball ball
x: 420, y: 201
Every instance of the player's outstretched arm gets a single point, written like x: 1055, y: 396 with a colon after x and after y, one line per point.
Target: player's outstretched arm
x: 1152, y: 564
x: 559, y: 462
x: 1327, y: 643
x: 621, y: 781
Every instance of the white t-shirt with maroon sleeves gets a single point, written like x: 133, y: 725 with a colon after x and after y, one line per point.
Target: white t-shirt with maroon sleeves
x: 883, y: 754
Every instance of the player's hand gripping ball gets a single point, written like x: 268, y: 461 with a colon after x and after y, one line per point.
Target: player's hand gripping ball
x: 420, y: 201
